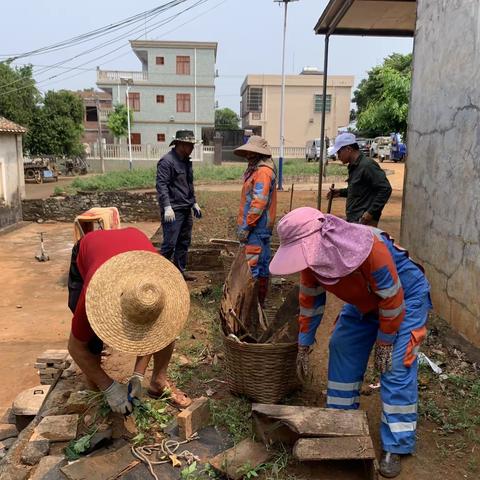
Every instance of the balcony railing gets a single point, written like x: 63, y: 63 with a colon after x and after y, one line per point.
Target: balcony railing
x: 104, y: 113
x: 117, y: 75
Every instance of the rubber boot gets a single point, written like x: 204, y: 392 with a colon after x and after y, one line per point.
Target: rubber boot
x: 390, y: 465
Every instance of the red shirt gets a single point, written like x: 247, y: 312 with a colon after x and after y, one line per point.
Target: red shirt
x: 95, y: 249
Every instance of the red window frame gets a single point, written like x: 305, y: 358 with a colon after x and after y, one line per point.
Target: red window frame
x: 134, y: 101
x: 160, y: 137
x: 183, y: 65
x: 184, y: 102
x: 160, y: 98
x: 160, y: 60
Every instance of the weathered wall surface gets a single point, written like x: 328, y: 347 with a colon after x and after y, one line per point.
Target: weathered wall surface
x: 133, y: 207
x: 12, y: 184
x: 441, y: 214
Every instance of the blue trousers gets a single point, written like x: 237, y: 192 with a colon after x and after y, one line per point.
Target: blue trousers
x: 177, y: 237
x: 258, y: 253
x: 350, y: 347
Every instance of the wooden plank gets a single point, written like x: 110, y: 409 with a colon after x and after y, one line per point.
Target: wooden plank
x: 315, y: 422
x: 334, y: 448
x: 237, y: 461
x: 193, y: 418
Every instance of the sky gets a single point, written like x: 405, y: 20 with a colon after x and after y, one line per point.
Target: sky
x: 248, y: 32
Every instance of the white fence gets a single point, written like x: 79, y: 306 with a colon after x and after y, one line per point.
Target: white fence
x: 117, y: 75
x: 140, y: 152
x: 154, y: 152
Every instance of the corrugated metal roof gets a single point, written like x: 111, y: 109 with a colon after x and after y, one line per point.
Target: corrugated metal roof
x: 6, y: 126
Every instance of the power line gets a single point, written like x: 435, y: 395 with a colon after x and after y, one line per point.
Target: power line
x: 155, y: 26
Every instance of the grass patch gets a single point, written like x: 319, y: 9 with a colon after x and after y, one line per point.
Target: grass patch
x: 233, y: 415
x: 145, y: 178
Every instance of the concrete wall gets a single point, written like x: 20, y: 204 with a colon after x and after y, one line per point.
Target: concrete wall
x: 12, y: 183
x: 441, y: 212
x: 302, y: 123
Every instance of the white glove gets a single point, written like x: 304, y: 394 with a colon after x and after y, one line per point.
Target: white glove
x: 169, y: 215
x: 117, y: 397
x: 197, y: 210
x: 135, y: 385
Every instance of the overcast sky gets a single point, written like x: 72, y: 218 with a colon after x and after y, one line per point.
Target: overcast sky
x: 248, y: 32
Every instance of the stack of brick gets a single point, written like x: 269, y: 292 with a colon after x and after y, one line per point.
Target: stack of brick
x: 50, y: 363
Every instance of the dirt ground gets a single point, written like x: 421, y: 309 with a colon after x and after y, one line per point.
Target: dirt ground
x: 34, y: 317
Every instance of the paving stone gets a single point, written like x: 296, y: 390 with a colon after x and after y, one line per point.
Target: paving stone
x: 77, y: 402
x: 34, y: 451
x: 49, y: 468
x: 7, y: 443
x: 7, y: 430
x: 29, y: 401
x: 15, y: 472
x: 57, y: 428
x: 50, y: 356
x: 7, y: 415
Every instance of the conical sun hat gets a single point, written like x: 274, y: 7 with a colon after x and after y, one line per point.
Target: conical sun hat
x: 137, y: 302
x: 255, y: 144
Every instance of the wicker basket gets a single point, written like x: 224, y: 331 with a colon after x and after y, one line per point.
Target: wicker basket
x: 265, y: 373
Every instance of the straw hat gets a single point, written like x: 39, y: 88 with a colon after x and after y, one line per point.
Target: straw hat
x: 255, y: 144
x: 137, y: 302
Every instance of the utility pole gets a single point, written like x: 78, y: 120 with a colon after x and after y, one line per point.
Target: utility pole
x: 282, y: 98
x: 128, y: 82
x: 99, y: 134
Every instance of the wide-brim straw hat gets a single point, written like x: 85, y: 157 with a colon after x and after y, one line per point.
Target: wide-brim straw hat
x: 255, y: 144
x: 137, y: 302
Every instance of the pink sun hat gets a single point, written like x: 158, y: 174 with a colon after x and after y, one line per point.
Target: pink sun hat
x: 328, y: 245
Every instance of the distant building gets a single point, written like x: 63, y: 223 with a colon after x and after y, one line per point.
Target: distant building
x: 174, y: 90
x: 12, y: 181
x: 96, y: 106
x: 260, y: 107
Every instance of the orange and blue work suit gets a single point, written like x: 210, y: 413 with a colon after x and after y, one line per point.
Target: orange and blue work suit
x: 256, y: 215
x: 387, y: 300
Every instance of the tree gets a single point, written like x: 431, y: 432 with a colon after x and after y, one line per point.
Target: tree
x: 118, y: 121
x: 19, y: 95
x: 57, y: 125
x: 382, y: 98
x: 226, y: 119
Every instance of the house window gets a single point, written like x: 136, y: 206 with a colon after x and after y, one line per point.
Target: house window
x: 134, y: 101
x: 319, y: 103
x: 91, y: 114
x: 136, y: 139
x: 183, y: 102
x: 160, y: 60
x: 160, y: 137
x: 254, y: 99
x: 160, y: 98
x: 183, y: 65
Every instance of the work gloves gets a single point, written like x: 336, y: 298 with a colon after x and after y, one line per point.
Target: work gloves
x: 169, y: 214
x: 242, y: 235
x: 197, y: 211
x: 383, y: 357
x: 117, y: 397
x: 303, y: 362
x: 135, y: 385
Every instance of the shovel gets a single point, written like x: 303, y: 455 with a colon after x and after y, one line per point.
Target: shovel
x: 330, y: 200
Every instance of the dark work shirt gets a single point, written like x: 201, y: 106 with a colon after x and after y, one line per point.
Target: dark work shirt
x: 368, y: 189
x: 175, y: 182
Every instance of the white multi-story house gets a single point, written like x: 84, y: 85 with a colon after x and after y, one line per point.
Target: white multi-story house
x: 174, y: 90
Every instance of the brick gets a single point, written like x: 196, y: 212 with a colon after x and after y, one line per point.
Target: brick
x: 50, y: 356
x: 49, y: 468
x: 34, y: 451
x: 40, y: 366
x: 29, y: 401
x: 15, y: 472
x: 56, y: 428
x: 193, y: 418
x: 77, y: 402
x: 47, y: 381
x: 7, y: 430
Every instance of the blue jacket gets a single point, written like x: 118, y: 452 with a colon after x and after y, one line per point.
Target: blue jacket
x: 175, y: 182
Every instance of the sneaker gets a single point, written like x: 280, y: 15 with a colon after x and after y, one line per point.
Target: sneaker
x: 189, y: 277
x: 390, y: 465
